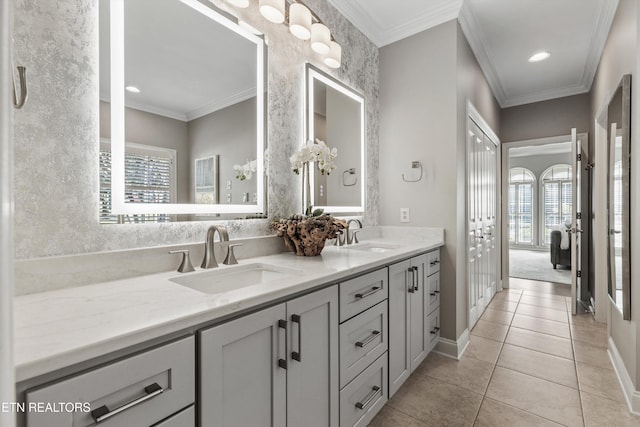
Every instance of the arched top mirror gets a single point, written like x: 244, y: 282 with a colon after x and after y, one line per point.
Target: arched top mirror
x: 335, y: 115
x: 182, y: 94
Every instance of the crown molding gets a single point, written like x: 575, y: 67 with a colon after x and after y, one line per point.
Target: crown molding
x: 598, y: 39
x: 545, y: 95
x: 219, y: 104
x: 376, y: 32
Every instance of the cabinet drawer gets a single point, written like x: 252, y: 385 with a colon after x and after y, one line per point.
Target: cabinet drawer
x: 433, y: 329
x: 184, y: 418
x: 434, y: 262
x: 357, y: 295
x: 433, y: 295
x: 361, y: 400
x: 138, y: 391
x: 362, y: 340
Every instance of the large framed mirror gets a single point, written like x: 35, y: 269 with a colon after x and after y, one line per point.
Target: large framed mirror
x: 619, y: 196
x: 182, y: 102
x: 335, y: 115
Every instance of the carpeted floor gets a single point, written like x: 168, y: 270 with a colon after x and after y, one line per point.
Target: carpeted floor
x: 535, y: 265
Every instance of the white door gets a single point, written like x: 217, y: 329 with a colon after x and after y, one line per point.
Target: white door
x: 576, y: 221
x: 482, y: 198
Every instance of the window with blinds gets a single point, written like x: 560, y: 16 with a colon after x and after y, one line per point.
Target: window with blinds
x: 557, y: 198
x: 149, y: 178
x: 521, y: 206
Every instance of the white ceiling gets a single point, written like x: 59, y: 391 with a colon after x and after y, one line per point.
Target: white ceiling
x: 503, y: 34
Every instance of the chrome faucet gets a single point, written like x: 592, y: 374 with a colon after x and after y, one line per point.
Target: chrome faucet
x: 351, y: 237
x: 209, y: 260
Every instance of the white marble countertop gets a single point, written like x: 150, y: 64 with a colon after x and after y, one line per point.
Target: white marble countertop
x: 58, y: 329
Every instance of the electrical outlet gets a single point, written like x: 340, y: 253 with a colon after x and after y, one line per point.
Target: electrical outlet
x: 404, y: 215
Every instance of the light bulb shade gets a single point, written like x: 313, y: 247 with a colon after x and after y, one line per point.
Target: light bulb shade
x: 320, y: 39
x: 239, y: 3
x: 334, y: 57
x: 273, y: 10
x: 300, y: 21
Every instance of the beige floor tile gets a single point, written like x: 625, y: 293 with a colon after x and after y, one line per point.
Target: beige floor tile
x: 503, y: 305
x: 540, y: 365
x: 589, y: 334
x: 467, y: 373
x: 543, y: 302
x: 541, y: 325
x: 586, y: 319
x: 600, y: 412
x: 483, y: 349
x: 591, y: 355
x: 602, y: 382
x: 493, y: 414
x: 490, y: 330
x: 497, y: 316
x: 540, y: 397
x: 508, y: 296
x: 544, y: 343
x: 388, y: 417
x: 543, y: 294
x: 433, y: 401
x: 543, y: 312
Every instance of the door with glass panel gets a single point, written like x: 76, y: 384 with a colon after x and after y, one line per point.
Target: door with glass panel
x: 482, y: 199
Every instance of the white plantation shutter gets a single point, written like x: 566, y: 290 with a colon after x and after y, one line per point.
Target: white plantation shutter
x: 521, y: 206
x: 149, y: 178
x: 557, y: 198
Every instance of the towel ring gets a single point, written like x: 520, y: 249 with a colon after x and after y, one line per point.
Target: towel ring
x: 414, y: 165
x: 22, y: 76
x: 351, y: 171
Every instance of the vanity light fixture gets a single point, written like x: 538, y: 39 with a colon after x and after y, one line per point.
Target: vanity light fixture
x: 539, y: 56
x: 132, y: 89
x: 303, y: 24
x: 273, y: 10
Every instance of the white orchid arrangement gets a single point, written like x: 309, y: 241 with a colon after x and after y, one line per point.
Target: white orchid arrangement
x: 317, y: 152
x: 246, y: 171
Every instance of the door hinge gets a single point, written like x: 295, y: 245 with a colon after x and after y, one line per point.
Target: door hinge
x: 579, y: 273
x: 579, y: 157
x: 579, y: 215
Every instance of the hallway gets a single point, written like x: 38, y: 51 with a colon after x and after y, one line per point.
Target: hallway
x: 529, y: 363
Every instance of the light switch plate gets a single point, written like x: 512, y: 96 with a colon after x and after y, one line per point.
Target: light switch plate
x: 404, y: 215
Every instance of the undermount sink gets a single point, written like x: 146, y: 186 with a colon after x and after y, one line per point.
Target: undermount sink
x: 372, y: 247
x: 233, y: 278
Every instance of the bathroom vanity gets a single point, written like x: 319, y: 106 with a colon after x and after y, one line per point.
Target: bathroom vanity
x: 276, y: 340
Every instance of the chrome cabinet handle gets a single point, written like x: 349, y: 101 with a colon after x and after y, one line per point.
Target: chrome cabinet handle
x: 103, y: 413
x: 416, y: 279
x: 368, y: 398
x: 369, y: 293
x: 297, y: 355
x: 435, y: 262
x: 435, y: 330
x: 367, y: 340
x: 282, y: 324
x: 412, y: 287
x: 434, y: 293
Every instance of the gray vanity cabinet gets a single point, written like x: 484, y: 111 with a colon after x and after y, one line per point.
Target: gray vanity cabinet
x: 408, y: 335
x: 276, y: 367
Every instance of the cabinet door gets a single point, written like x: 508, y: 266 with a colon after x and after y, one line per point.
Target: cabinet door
x: 312, y: 374
x: 399, y: 333
x: 241, y: 382
x: 418, y: 342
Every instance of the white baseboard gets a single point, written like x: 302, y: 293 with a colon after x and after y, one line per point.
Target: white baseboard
x: 453, y: 349
x: 631, y: 395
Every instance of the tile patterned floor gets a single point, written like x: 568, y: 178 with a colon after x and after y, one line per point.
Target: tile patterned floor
x: 529, y: 363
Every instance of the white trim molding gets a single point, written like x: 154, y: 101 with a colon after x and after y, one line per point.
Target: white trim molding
x: 631, y: 395
x: 454, y: 349
x: 381, y: 35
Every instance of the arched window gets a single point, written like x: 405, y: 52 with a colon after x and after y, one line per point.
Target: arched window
x: 521, y: 203
x: 556, y: 198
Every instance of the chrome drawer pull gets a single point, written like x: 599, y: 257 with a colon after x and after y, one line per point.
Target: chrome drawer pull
x: 434, y: 293
x: 368, y: 398
x: 103, y: 413
x: 367, y: 340
x: 435, y: 330
x: 297, y: 355
x: 371, y: 292
x: 437, y: 261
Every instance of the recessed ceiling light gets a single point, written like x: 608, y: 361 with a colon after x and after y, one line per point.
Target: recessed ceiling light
x: 132, y: 89
x: 540, y: 56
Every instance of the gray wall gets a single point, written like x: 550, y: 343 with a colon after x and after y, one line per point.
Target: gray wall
x: 546, y: 118
x: 620, y: 57
x: 57, y: 134
x: 425, y: 81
